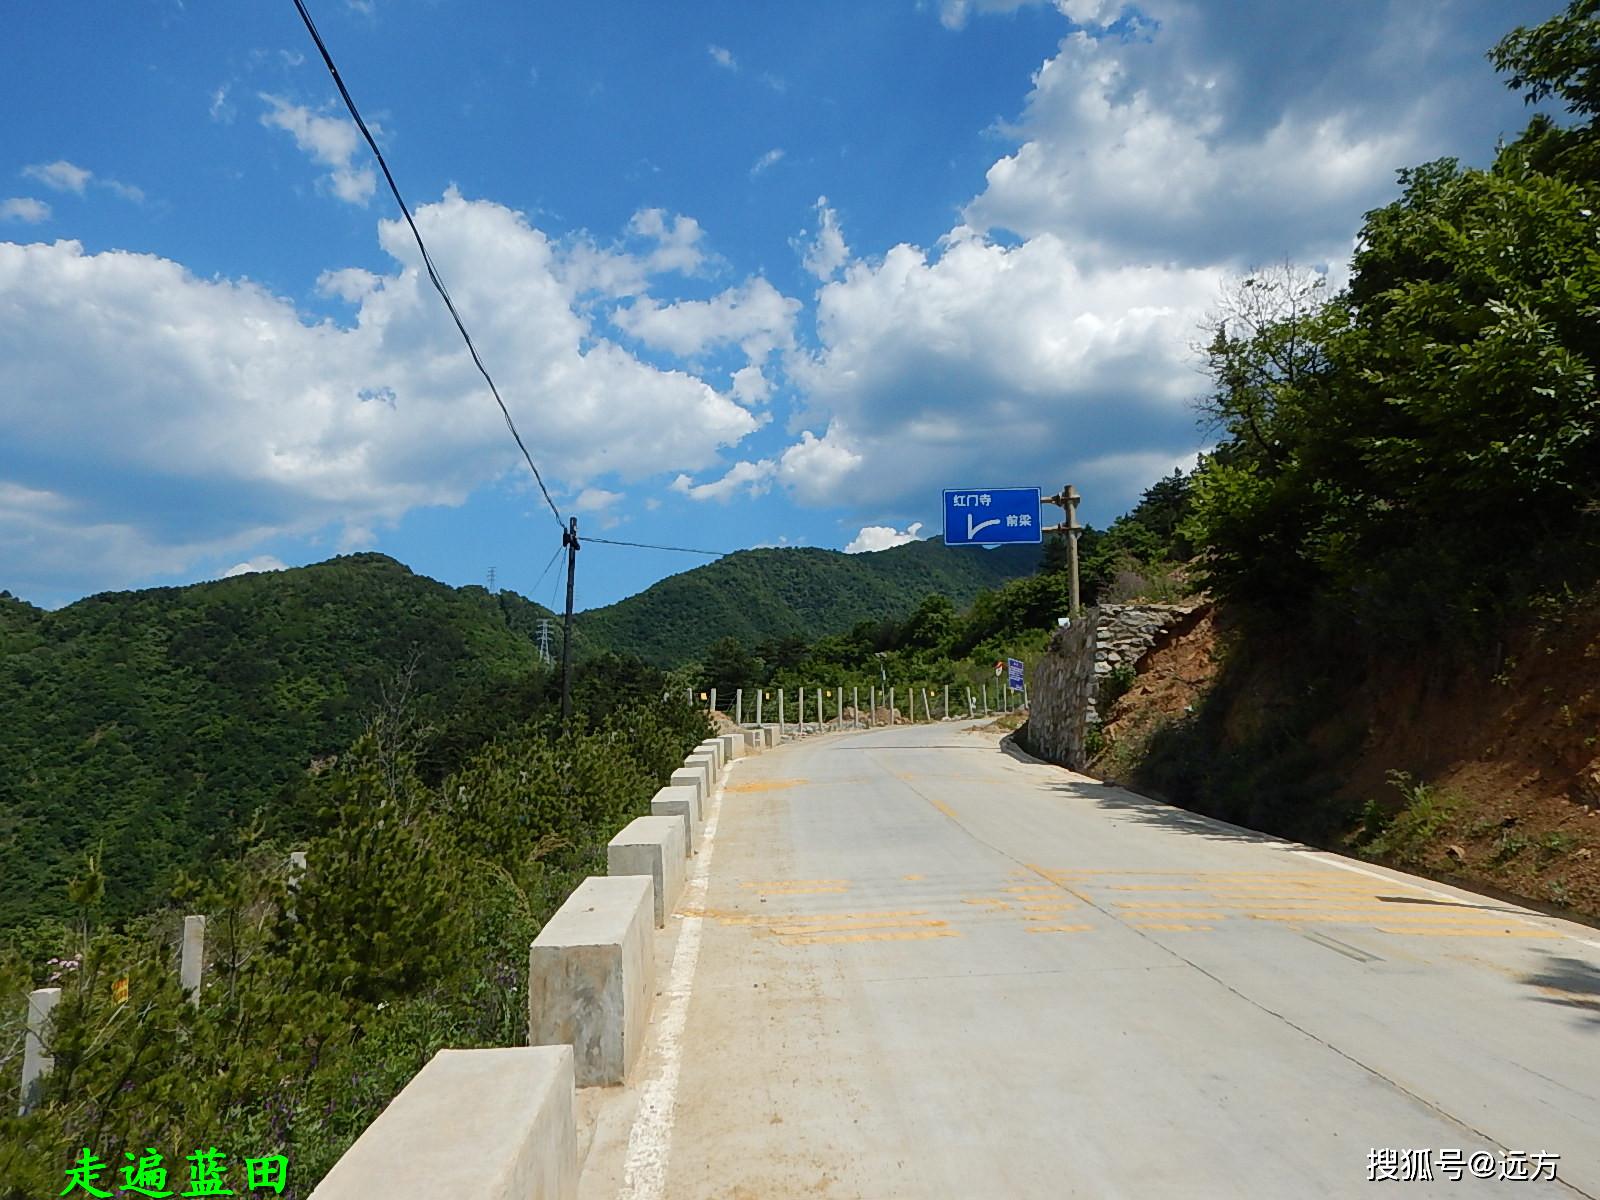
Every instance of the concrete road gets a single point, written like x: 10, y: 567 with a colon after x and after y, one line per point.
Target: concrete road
x: 909, y: 964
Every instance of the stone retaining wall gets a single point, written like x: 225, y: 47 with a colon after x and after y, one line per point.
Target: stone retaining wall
x: 1077, y: 660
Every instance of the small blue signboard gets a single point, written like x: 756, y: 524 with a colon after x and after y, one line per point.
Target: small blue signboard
x: 1014, y: 673
x: 990, y: 516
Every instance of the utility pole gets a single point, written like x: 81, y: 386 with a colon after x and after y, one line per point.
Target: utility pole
x: 569, y: 539
x: 1068, y: 500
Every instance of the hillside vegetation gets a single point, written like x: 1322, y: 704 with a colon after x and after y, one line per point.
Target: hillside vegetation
x: 760, y: 595
x: 408, y: 931
x: 155, y: 725
x: 1403, y: 509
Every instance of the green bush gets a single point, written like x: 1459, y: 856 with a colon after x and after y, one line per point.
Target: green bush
x: 1407, y: 834
x: 408, y: 932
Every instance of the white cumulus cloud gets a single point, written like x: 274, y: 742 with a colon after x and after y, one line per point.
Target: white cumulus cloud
x: 64, y: 176
x: 882, y: 537
x: 25, y: 209
x: 755, y: 316
x: 1046, y: 336
x: 262, y: 562
x: 593, y: 499
x: 174, y: 419
x: 331, y: 141
x: 827, y: 251
x: 655, y: 245
x: 935, y: 368
x: 60, y: 175
x: 766, y: 162
x: 821, y: 470
x: 749, y: 478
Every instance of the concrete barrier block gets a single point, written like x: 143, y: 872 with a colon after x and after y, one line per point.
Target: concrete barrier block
x: 682, y: 802
x: 773, y: 736
x: 591, y: 975
x: 754, y: 741
x: 706, y: 762
x: 492, y: 1124
x: 653, y: 846
x: 692, y: 777
x: 733, y: 745
x: 713, y: 746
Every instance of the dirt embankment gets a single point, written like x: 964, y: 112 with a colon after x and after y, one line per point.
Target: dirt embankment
x: 1501, y: 760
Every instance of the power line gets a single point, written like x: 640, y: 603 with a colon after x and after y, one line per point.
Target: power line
x: 649, y: 546
x: 532, y: 592
x: 433, y: 274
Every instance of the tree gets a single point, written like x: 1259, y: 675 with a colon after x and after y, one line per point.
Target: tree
x: 1444, y: 402
x: 728, y: 667
x: 1559, y: 58
x: 931, y: 627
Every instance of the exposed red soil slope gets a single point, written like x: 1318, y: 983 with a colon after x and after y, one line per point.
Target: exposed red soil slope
x: 1512, y: 748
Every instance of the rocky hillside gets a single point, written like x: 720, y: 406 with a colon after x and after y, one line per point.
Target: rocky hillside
x: 1484, y: 773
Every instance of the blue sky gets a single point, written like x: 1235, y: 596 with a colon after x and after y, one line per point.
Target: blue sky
x: 746, y: 274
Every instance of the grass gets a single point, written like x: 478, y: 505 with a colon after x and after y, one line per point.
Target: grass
x: 1404, y: 836
x: 1112, y: 688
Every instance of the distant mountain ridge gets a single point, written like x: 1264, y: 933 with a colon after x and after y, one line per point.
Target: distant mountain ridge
x: 755, y: 595
x: 154, y: 723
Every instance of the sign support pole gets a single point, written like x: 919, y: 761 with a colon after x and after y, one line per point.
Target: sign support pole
x: 1068, y: 500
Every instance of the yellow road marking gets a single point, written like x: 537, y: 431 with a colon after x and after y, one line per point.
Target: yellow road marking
x: 987, y: 902
x: 944, y: 808
x: 747, y: 918
x: 1180, y: 914
x: 802, y: 891
x: 1177, y: 928
x: 908, y: 936
x: 778, y: 883
x: 1059, y: 928
x: 762, y: 785
x: 911, y: 877
x: 1051, y: 906
x: 807, y: 928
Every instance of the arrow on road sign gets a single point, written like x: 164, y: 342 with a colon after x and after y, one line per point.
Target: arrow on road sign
x: 974, y: 530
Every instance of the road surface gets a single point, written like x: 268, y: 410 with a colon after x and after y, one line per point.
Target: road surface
x: 910, y: 964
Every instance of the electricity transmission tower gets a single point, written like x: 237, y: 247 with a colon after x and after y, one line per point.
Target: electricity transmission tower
x: 491, y: 581
x: 544, y: 640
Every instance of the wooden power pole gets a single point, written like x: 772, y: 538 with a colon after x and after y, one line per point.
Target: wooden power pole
x: 569, y: 539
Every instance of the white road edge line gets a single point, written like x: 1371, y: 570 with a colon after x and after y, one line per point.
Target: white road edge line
x: 1530, y: 919
x: 644, y: 1170
x: 1407, y: 882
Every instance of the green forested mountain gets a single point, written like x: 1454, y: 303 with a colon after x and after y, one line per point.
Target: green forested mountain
x: 761, y: 595
x: 155, y: 724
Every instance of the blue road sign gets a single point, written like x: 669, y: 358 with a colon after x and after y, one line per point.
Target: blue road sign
x: 1014, y: 673
x: 987, y: 516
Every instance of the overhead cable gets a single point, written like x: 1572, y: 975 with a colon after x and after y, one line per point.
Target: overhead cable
x: 649, y: 546
x: 533, y: 591
x: 433, y: 274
